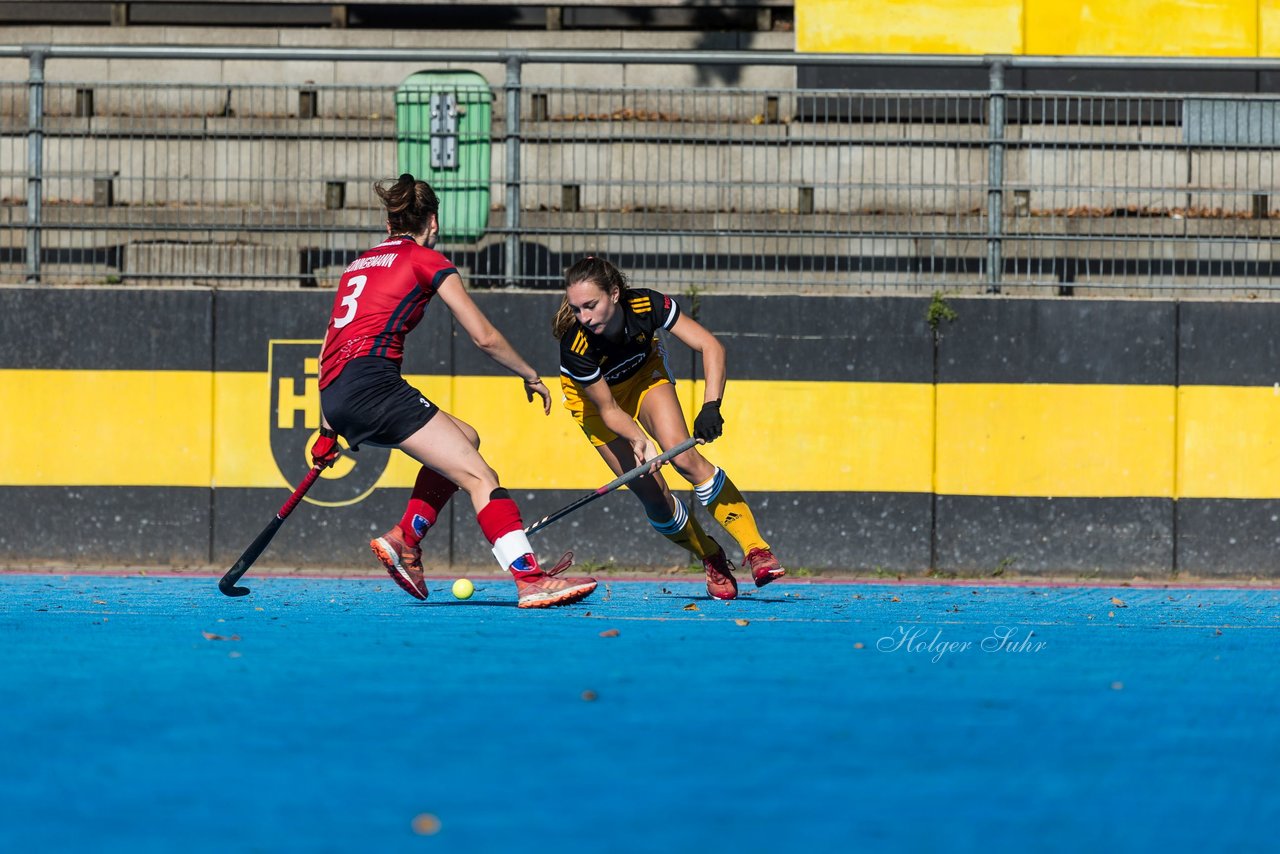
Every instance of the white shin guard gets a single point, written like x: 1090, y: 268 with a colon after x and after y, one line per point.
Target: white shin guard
x: 510, y: 547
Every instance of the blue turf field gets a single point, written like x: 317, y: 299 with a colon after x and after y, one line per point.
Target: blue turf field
x: 326, y: 715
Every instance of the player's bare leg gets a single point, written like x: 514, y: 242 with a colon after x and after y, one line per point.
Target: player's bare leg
x: 448, y: 446
x: 671, y: 518
x: 661, y: 416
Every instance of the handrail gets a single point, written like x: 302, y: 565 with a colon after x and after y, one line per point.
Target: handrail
x: 632, y: 57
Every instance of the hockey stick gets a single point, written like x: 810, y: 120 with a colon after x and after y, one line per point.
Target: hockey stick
x: 611, y: 486
x: 228, y: 583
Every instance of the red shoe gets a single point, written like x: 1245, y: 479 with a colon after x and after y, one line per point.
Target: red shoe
x: 538, y: 589
x: 403, y: 564
x: 764, y: 566
x: 720, y: 581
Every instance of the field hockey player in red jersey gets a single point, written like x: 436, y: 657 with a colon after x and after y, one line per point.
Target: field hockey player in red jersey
x: 614, y: 375
x: 363, y: 397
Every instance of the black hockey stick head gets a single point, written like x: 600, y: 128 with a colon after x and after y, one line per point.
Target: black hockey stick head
x: 228, y: 587
x: 228, y: 583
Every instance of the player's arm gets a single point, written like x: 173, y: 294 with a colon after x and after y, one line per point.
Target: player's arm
x: 708, y: 425
x: 324, y: 422
x: 618, y: 421
x: 488, y: 339
x: 324, y: 452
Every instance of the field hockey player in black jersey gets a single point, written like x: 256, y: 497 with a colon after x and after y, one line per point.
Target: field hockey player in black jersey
x: 617, y: 387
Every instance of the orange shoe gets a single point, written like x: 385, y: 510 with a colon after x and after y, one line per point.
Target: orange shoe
x: 720, y: 581
x: 538, y: 589
x: 764, y: 566
x: 403, y: 564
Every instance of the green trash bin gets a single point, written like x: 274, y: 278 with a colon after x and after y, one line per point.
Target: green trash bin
x: 443, y: 121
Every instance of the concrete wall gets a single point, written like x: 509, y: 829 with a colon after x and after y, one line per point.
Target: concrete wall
x: 1092, y: 437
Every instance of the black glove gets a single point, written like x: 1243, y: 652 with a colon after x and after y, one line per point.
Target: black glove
x: 708, y: 425
x: 325, y: 450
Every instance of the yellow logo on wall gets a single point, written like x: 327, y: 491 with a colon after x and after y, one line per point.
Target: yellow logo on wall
x: 295, y: 423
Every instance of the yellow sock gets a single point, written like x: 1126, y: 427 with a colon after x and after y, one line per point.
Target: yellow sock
x: 730, y: 509
x: 684, y: 530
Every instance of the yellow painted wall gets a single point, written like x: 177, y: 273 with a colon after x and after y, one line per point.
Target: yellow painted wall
x: 1169, y: 28
x: 106, y: 428
x: 194, y: 429
x: 1056, y: 441
x: 909, y: 26
x: 1229, y: 442
x: 1177, y: 28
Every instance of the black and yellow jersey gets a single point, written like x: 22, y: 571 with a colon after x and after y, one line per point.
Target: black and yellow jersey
x: 584, y: 356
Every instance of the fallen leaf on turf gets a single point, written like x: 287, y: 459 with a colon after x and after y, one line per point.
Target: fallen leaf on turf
x: 1119, y: 603
x: 742, y: 622
x: 215, y: 637
x: 98, y: 602
x: 691, y: 607
x: 426, y: 824
x: 858, y: 645
x: 589, y: 696
x: 1117, y: 686
x: 610, y: 633
x: 895, y: 599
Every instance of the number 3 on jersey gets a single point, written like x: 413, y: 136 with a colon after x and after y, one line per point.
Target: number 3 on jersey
x: 349, y: 301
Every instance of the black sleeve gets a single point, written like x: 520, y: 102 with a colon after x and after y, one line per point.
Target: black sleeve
x: 577, y: 358
x: 652, y: 309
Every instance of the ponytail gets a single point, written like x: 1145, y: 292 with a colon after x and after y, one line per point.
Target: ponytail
x: 410, y: 203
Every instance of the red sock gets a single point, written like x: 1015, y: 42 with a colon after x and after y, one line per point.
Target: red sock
x: 501, y: 523
x: 500, y: 516
x: 431, y: 493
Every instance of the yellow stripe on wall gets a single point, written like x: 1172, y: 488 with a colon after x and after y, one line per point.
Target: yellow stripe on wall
x: 105, y: 428
x: 1094, y: 441
x: 1175, y: 28
x: 1178, y: 28
x: 1269, y: 28
x: 909, y: 26
x: 195, y: 429
x: 825, y: 437
x: 199, y: 429
x: 1229, y: 439
x: 780, y: 436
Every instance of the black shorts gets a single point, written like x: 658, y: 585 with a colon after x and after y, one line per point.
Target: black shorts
x: 370, y: 403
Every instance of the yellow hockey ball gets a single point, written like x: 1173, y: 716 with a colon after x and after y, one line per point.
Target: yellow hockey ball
x: 463, y: 588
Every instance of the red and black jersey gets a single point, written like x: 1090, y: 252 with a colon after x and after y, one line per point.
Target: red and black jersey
x: 585, y: 356
x: 380, y: 298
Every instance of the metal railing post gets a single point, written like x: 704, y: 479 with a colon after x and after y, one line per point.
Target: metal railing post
x: 995, y: 178
x: 512, y: 254
x: 35, y: 159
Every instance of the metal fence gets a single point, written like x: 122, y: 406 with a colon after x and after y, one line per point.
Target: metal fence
x: 750, y: 190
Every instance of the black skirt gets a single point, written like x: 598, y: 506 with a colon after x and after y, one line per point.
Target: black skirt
x: 369, y: 402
